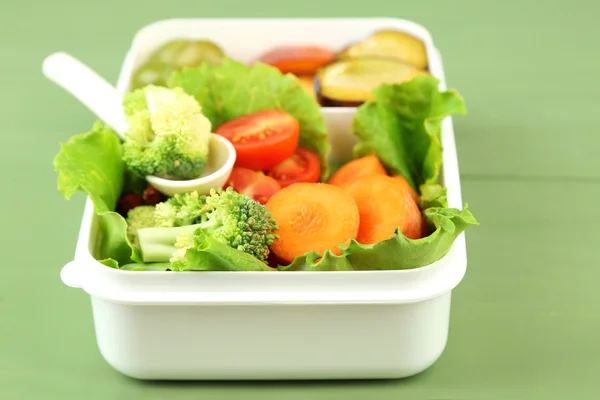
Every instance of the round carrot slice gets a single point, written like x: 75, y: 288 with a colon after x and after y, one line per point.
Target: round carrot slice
x: 298, y: 60
x: 312, y: 216
x: 356, y: 169
x: 384, y: 205
x: 406, y: 185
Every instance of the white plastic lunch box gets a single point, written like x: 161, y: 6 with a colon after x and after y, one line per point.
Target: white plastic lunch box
x: 261, y: 325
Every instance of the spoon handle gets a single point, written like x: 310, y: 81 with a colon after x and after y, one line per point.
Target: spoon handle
x: 88, y: 87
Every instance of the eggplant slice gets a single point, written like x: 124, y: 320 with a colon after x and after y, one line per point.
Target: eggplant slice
x: 351, y: 82
x: 389, y: 44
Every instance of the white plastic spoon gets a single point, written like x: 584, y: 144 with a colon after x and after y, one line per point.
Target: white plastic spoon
x: 105, y: 101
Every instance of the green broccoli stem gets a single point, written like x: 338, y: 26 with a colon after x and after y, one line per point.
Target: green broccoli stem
x: 158, y: 244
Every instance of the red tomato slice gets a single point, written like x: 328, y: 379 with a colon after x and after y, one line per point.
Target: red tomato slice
x: 303, y: 166
x: 262, y: 139
x: 252, y: 183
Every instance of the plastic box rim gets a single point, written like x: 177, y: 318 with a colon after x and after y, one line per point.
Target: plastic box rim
x: 141, y: 287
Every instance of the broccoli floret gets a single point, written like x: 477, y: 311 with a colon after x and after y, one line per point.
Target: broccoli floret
x: 180, y: 210
x: 241, y: 222
x: 138, y: 218
x: 230, y: 217
x: 168, y: 135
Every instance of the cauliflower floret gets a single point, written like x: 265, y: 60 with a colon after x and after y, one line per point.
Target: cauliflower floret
x: 168, y: 135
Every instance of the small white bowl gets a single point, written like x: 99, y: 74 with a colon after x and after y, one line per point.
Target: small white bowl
x: 218, y: 169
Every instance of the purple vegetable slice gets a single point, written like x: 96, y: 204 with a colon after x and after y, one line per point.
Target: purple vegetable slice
x: 389, y: 44
x: 351, y: 82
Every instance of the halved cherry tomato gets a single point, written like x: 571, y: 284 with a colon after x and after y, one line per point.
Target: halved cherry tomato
x: 128, y: 201
x: 298, y: 60
x: 262, y: 139
x: 303, y: 166
x: 152, y: 196
x: 253, y: 183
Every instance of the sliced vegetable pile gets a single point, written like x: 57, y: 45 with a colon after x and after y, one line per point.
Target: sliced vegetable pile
x: 282, y: 208
x: 333, y: 78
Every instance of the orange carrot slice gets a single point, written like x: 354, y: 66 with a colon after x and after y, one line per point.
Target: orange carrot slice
x: 298, y: 60
x: 356, y: 169
x: 384, y: 205
x: 410, y: 189
x: 312, y: 216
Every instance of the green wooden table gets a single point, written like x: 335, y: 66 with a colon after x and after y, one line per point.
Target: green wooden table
x: 526, y: 319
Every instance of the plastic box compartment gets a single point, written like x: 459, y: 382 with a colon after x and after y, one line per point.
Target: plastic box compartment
x: 257, y: 325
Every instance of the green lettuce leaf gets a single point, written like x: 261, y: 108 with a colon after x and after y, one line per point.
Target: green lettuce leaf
x: 312, y: 261
x: 109, y: 262
x: 206, y: 254
x: 433, y: 196
x: 91, y: 163
x: 396, y: 253
x: 402, y: 127
x: 233, y: 89
x: 147, y: 267
x: 209, y: 254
